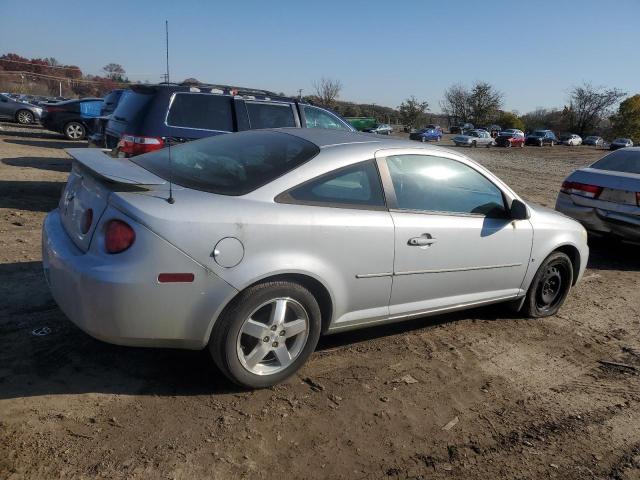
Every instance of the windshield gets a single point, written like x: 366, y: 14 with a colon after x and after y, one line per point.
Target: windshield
x: 230, y: 164
x: 538, y: 133
x: 626, y: 161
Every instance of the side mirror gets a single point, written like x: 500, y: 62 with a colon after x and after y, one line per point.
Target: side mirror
x: 519, y: 210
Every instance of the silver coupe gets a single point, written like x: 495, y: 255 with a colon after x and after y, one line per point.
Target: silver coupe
x: 254, y: 244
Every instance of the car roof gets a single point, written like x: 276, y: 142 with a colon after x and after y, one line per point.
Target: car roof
x: 324, y: 138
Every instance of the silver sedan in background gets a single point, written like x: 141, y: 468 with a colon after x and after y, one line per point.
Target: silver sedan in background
x: 474, y: 138
x: 605, y: 197
x: 267, y: 239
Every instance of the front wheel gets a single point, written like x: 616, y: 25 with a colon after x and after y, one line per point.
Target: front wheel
x: 423, y: 140
x: 266, y: 334
x: 25, y: 117
x: 549, y: 287
x: 74, y: 131
x: 474, y: 144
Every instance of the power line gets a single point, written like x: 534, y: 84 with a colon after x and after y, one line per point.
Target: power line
x: 38, y: 64
x: 67, y: 79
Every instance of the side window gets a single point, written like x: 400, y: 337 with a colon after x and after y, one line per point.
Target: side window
x: 318, y: 118
x: 270, y: 115
x: 356, y: 186
x: 437, y: 184
x: 202, y: 111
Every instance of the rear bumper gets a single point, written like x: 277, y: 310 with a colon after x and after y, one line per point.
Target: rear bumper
x: 600, y: 221
x: 121, y: 302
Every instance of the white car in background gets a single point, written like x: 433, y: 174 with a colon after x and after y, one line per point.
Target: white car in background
x: 571, y: 139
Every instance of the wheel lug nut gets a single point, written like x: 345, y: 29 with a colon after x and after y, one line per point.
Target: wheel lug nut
x: 265, y: 339
x: 274, y: 344
x: 282, y: 333
x: 273, y: 327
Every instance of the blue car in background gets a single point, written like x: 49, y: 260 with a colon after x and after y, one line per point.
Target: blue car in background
x: 426, y: 135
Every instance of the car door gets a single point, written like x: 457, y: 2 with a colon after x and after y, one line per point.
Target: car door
x: 6, y: 107
x: 455, y: 243
x: 341, y: 216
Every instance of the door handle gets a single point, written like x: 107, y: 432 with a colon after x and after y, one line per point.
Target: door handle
x: 422, y: 241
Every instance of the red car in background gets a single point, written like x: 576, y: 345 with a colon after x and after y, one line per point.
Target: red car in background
x: 512, y: 137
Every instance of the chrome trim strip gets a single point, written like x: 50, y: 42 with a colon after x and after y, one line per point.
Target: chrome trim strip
x: 464, y: 269
x: 373, y: 275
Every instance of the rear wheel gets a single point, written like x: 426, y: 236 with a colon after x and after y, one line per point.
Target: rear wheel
x: 474, y: 144
x: 266, y: 334
x: 549, y: 287
x: 25, y: 117
x: 74, y: 131
x: 423, y: 140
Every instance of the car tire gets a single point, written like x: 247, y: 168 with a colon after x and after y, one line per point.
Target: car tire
x: 549, y: 287
x: 521, y: 144
x: 474, y: 144
x: 74, y: 131
x: 423, y: 140
x: 508, y: 145
x: 245, y: 343
x: 25, y: 117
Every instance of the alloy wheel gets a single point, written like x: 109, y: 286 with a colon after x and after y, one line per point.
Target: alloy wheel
x: 74, y: 131
x: 25, y: 117
x: 273, y: 336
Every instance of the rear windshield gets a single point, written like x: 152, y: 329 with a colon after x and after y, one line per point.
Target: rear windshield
x: 132, y: 106
x: 233, y: 164
x: 626, y: 161
x: 270, y: 115
x: 202, y: 111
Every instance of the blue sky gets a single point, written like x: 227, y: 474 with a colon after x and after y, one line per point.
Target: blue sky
x: 381, y: 51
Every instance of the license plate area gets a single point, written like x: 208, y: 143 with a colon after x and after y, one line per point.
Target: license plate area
x: 624, y: 197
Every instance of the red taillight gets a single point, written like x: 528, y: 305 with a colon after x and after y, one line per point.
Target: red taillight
x: 118, y: 236
x: 87, y: 221
x: 638, y: 199
x: 137, y: 145
x: 584, y: 189
x: 53, y: 109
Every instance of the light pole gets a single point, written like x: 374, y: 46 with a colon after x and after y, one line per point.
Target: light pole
x: 300, y: 94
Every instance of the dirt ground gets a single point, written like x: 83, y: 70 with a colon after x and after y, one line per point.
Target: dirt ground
x: 480, y: 394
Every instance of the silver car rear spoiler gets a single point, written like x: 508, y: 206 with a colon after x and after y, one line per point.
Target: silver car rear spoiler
x: 118, y: 170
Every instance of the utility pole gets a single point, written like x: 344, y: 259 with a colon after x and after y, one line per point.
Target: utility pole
x: 300, y: 94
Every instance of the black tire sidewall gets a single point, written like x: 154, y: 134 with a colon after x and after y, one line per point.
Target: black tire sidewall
x: 530, y: 307
x: 227, y: 328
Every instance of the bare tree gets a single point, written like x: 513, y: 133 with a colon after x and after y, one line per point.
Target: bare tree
x: 484, y: 102
x: 480, y: 104
x: 327, y: 90
x: 114, y: 71
x: 589, y: 106
x: 456, y: 103
x: 412, y: 112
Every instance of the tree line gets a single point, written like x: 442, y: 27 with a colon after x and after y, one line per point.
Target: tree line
x: 47, y: 76
x: 589, y: 109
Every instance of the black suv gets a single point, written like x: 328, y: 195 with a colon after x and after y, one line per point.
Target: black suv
x: 148, y: 117
x: 541, y: 137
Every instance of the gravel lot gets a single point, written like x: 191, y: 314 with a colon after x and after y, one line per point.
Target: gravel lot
x: 480, y: 394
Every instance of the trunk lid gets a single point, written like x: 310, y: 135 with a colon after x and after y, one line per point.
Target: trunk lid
x: 93, y: 178
x: 618, y: 190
